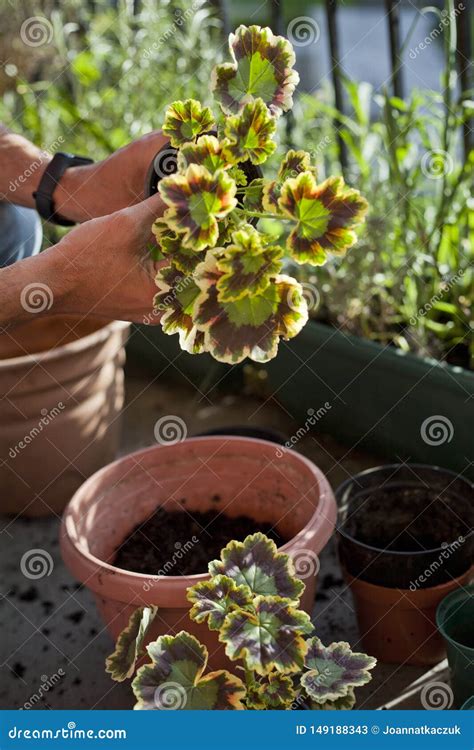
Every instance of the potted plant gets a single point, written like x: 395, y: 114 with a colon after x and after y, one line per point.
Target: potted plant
x: 455, y: 618
x: 405, y: 540
x: 60, y: 421
x: 251, y: 602
x: 189, y: 498
x: 226, y: 291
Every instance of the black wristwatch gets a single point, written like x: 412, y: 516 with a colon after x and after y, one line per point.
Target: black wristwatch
x: 48, y: 183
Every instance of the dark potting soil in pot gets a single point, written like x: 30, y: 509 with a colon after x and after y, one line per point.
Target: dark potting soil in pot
x: 165, y: 544
x: 407, y: 520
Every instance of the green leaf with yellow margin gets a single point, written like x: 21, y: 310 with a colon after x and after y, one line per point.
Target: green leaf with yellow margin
x: 249, y: 134
x: 261, y: 68
x: 186, y: 120
x: 175, y: 679
x: 251, y: 326
x: 293, y: 164
x: 130, y: 644
x: 277, y: 692
x: 269, y: 638
x: 254, y: 194
x: 247, y: 266
x: 256, y: 563
x: 207, y: 152
x: 325, y: 215
x: 196, y: 200
x: 175, y: 302
x: 171, y: 246
x: 215, y: 599
x: 334, y: 670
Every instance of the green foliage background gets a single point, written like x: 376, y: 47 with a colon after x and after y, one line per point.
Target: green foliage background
x: 108, y: 75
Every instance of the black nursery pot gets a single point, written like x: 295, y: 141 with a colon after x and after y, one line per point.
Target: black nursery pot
x: 406, y: 525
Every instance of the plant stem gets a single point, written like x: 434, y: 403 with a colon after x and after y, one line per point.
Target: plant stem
x: 261, y: 215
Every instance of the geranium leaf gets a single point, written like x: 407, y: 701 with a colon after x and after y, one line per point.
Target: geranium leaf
x: 293, y: 164
x: 121, y: 664
x: 186, y: 120
x: 268, y: 638
x: 174, y: 679
x: 254, y: 194
x: 196, y: 200
x: 325, y: 216
x: 171, y: 246
x: 215, y: 599
x: 334, y: 670
x: 256, y: 563
x: 246, y: 266
x: 251, y: 326
x: 345, y: 703
x: 207, y: 152
x: 262, y: 68
x: 175, y: 301
x: 277, y: 692
x: 249, y: 134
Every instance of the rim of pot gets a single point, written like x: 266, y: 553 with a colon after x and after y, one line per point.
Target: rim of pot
x: 69, y: 348
x: 321, y: 483
x: 443, y: 612
x: 339, y: 523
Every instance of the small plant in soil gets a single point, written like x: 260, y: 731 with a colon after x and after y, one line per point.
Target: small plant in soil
x: 252, y: 602
x: 223, y: 290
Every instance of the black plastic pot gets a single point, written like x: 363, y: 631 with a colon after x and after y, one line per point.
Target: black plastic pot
x: 406, y: 526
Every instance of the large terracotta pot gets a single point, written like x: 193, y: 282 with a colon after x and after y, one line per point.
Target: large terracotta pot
x: 252, y: 477
x: 61, y: 382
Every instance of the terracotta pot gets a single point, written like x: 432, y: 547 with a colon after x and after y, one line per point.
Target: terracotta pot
x: 62, y: 385
x: 253, y: 477
x: 398, y: 626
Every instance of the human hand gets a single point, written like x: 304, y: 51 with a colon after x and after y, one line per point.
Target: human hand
x: 110, y: 185
x: 102, y: 268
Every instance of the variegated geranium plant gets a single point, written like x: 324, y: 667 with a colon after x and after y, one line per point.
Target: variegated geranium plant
x: 224, y: 290
x: 252, y: 603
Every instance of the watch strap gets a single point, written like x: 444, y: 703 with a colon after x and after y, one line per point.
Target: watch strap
x: 48, y: 183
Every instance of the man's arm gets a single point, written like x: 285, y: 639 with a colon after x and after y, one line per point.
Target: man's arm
x: 84, y: 192
x: 101, y: 268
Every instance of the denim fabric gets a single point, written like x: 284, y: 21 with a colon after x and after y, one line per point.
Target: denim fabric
x: 20, y: 233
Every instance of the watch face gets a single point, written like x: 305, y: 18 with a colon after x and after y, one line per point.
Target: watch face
x: 166, y: 163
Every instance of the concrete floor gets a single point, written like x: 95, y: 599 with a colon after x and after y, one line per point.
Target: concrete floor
x: 50, y: 630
